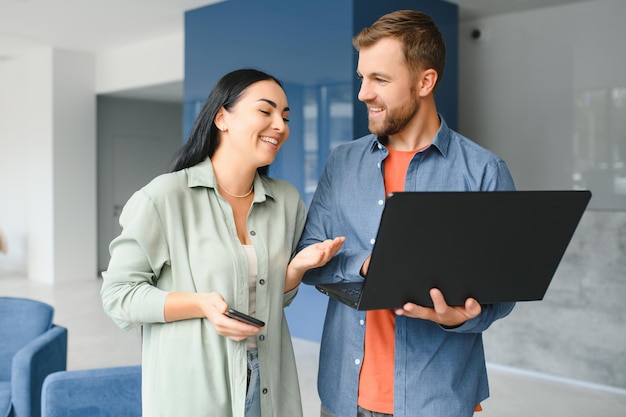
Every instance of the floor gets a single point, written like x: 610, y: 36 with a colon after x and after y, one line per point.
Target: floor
x: 94, y: 341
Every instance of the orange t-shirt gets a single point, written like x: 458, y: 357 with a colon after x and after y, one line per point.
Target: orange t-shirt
x: 376, y: 379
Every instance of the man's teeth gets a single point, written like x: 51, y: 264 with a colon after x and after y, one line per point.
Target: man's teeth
x: 269, y: 140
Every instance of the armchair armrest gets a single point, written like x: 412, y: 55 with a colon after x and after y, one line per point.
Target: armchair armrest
x: 31, y: 364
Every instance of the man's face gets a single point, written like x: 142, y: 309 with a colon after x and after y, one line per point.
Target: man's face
x: 387, y: 87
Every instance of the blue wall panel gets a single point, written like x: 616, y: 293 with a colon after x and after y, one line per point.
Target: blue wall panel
x: 308, y: 46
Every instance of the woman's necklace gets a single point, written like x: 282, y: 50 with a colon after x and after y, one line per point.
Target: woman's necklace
x: 235, y: 195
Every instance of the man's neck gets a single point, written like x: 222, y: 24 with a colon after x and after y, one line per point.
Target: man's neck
x: 418, y: 133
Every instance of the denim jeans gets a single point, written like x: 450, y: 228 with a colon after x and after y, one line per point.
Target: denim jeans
x: 253, y: 396
x: 361, y: 412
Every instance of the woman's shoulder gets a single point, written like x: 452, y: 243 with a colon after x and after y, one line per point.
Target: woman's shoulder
x: 166, y: 183
x: 164, y: 187
x: 279, y: 187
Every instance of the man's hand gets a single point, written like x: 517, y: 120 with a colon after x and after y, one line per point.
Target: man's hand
x: 442, y: 313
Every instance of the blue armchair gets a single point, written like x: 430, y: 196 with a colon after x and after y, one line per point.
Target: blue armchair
x: 31, y: 347
x: 101, y: 392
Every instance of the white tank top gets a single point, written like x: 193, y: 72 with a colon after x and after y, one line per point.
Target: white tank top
x: 252, y: 278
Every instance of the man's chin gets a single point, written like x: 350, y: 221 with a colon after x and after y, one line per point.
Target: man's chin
x: 376, y: 129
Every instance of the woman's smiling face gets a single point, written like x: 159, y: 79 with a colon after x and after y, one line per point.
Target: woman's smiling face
x: 257, y: 125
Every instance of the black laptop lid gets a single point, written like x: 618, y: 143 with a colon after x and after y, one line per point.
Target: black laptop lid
x: 492, y: 246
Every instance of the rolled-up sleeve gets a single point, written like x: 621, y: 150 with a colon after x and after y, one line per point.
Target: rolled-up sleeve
x: 138, y: 255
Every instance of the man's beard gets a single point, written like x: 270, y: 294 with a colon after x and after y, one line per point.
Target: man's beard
x: 396, y: 119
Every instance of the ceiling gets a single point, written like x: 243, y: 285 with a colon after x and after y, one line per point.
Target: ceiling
x: 100, y: 25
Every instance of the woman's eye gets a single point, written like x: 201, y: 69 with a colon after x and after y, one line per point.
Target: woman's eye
x: 286, y: 120
x: 265, y: 112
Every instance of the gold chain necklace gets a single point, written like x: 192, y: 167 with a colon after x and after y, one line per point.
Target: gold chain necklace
x: 235, y: 195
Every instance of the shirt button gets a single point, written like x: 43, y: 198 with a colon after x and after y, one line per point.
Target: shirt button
x: 381, y: 202
x: 361, y: 322
x: 262, y: 337
x: 372, y: 241
x: 357, y: 361
x: 265, y: 390
x: 262, y: 281
x: 378, y: 164
x: 252, y: 233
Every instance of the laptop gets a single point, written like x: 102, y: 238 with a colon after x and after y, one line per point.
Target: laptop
x: 499, y: 246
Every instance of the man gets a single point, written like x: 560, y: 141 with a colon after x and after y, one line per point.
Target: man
x: 414, y: 361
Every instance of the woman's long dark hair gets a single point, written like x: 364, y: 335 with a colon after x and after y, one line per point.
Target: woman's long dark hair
x: 203, y: 139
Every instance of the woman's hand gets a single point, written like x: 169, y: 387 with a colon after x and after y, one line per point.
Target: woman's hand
x: 215, y: 307
x: 312, y: 256
x: 183, y: 306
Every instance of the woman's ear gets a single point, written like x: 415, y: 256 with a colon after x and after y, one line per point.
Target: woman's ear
x: 427, y: 82
x: 220, y: 120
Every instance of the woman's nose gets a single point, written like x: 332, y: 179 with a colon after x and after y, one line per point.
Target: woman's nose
x: 279, y: 124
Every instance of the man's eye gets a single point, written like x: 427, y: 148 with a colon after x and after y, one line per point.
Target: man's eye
x: 380, y: 81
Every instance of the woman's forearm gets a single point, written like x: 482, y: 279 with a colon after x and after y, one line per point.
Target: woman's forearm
x: 183, y: 306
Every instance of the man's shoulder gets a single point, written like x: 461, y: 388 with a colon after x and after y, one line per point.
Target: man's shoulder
x: 470, y: 147
x: 356, y: 145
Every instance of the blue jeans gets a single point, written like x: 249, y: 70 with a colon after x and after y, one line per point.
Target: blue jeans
x: 253, y: 396
x: 362, y: 412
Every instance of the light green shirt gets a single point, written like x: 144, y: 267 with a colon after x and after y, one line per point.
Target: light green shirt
x: 179, y: 235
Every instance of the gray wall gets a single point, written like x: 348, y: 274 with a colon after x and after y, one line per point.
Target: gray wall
x: 546, y: 90
x: 578, y: 330
x: 136, y: 141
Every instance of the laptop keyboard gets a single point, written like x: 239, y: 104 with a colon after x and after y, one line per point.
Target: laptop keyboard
x: 353, y: 293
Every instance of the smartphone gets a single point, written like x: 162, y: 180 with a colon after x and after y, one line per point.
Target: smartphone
x: 237, y: 315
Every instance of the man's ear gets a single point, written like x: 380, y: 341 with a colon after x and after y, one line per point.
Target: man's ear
x: 427, y: 82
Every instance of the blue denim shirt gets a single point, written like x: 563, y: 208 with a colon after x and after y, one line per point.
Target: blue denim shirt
x: 438, y: 371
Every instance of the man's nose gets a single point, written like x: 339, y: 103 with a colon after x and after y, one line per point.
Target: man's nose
x: 365, y: 93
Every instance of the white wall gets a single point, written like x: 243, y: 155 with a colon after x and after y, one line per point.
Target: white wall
x: 47, y: 164
x: 48, y: 148
x: 156, y: 61
x: 74, y: 167
x: 26, y: 158
x: 38, y: 146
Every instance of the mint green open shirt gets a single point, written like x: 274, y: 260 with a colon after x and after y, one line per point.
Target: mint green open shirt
x: 179, y: 235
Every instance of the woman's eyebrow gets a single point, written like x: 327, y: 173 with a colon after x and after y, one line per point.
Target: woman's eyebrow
x: 271, y: 103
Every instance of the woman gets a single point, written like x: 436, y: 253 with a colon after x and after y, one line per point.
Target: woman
x: 216, y: 233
